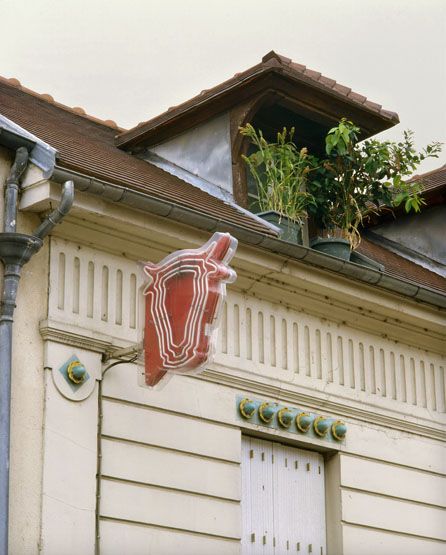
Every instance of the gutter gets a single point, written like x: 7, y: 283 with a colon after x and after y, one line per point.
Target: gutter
x: 147, y: 203
x: 41, y: 154
x: 16, y: 249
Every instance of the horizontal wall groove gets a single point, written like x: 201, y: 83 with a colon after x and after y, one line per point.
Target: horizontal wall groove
x: 393, y: 532
x: 169, y: 411
x: 169, y: 488
x: 170, y: 449
x: 394, y: 497
x: 170, y: 528
x: 390, y: 463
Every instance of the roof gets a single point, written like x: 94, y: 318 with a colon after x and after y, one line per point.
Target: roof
x: 370, y: 116
x: 433, y: 192
x: 48, y: 98
x: 433, y: 181
x: 86, y: 144
x: 400, y: 267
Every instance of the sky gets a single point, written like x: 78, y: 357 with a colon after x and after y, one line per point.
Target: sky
x: 130, y: 60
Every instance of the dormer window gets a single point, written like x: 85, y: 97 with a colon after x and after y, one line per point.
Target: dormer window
x: 199, y: 140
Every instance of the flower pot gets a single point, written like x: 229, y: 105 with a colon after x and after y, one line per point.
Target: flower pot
x: 363, y: 260
x: 289, y: 231
x: 334, y: 246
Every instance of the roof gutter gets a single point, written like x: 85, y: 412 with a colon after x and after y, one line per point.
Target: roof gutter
x: 167, y: 209
x: 40, y: 153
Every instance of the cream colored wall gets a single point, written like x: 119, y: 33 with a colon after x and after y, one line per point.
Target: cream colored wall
x: 170, y: 457
x: 391, y: 483
x: 392, y: 507
x: 27, y: 403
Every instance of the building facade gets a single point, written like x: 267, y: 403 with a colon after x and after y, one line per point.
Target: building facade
x: 113, y: 467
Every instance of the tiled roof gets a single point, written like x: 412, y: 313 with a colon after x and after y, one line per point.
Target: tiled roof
x: 86, y: 144
x: 400, y: 267
x: 48, y: 98
x: 433, y: 180
x: 270, y: 62
x: 330, y: 84
x: 433, y: 191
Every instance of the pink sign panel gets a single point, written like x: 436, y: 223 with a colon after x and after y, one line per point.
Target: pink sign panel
x: 182, y: 308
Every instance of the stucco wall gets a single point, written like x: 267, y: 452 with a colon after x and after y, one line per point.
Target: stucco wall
x: 170, y: 457
x: 27, y: 402
x: 385, y: 488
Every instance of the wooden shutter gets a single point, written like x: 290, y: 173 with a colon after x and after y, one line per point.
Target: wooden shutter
x: 283, y: 499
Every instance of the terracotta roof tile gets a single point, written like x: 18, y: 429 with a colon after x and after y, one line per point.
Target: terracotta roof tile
x: 373, y: 105
x: 12, y: 81
x: 86, y: 145
x: 434, y: 179
x: 400, y: 267
x: 357, y: 97
x: 270, y: 62
x: 298, y: 67
x: 327, y: 81
x: 271, y: 55
x: 315, y: 75
x: 341, y: 89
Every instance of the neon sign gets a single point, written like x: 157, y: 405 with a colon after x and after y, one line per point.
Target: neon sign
x: 183, y: 301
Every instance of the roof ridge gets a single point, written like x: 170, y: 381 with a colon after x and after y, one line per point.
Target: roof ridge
x: 272, y: 61
x: 77, y: 110
x: 318, y: 77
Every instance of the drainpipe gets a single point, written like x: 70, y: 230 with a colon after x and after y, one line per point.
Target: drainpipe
x: 16, y: 249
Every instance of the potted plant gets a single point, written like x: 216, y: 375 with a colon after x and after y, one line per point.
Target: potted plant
x: 280, y: 172
x: 356, y: 180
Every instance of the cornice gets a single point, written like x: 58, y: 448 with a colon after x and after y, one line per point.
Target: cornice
x: 59, y: 332
x: 263, y: 386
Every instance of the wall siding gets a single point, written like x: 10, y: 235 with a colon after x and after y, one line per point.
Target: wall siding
x: 123, y: 538
x: 170, y: 467
x: 166, y: 471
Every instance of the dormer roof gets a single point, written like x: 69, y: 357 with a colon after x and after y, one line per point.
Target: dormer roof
x: 308, y: 88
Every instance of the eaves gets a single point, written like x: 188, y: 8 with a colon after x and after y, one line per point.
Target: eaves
x: 197, y: 219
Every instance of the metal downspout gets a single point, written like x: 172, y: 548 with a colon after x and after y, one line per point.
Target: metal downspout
x: 16, y: 249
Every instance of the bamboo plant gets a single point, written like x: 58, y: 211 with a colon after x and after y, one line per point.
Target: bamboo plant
x: 280, y: 171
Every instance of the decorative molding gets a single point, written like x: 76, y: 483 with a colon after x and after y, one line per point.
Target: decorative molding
x: 68, y: 386
x: 60, y: 332
x: 315, y: 401
x: 265, y: 274
x: 262, y: 386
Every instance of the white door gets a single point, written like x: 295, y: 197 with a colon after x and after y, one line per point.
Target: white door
x: 283, y: 499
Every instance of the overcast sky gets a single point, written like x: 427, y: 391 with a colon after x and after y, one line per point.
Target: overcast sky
x: 131, y: 60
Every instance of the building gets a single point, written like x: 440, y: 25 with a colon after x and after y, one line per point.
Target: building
x: 116, y: 468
